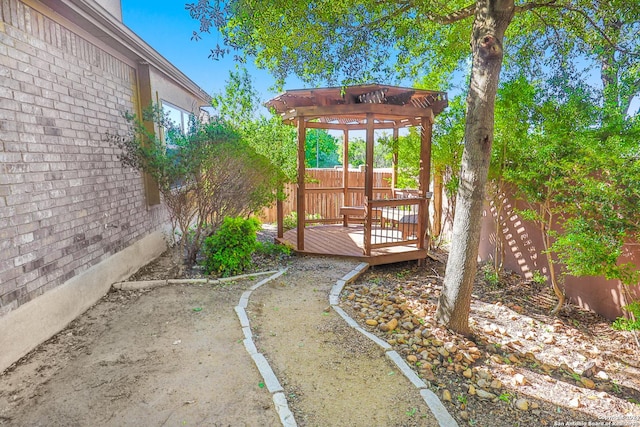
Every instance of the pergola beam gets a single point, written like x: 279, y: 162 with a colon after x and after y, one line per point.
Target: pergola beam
x: 357, y: 111
x: 362, y: 126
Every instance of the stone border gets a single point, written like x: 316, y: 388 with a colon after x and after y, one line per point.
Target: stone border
x: 269, y: 377
x: 150, y: 284
x: 435, y: 405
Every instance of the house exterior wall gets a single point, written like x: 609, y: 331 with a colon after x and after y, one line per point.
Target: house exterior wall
x: 68, y: 209
x: 168, y: 92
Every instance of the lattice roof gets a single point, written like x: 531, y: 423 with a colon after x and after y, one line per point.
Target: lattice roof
x: 347, y: 107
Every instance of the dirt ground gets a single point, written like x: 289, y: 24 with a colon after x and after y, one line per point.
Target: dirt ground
x: 173, y: 356
x: 142, y: 358
x: 333, y: 375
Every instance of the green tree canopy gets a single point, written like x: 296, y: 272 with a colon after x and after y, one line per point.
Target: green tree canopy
x: 239, y: 106
x: 321, y: 149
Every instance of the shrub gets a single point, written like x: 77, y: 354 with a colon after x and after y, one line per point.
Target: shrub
x: 210, y: 172
x: 631, y: 324
x: 273, y: 249
x: 290, y: 221
x: 228, y: 251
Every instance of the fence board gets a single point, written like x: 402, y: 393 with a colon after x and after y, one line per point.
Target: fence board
x: 326, y: 201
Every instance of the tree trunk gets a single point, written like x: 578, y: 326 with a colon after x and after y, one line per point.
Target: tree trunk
x: 492, y: 18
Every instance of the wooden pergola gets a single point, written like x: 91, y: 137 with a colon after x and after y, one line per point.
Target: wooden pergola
x: 368, y: 107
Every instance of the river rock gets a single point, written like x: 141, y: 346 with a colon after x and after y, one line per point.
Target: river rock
x: 587, y: 383
x: 519, y: 379
x: 450, y: 347
x: 371, y: 322
x: 409, y: 326
x: 446, y: 395
x: 485, y: 394
x: 389, y: 326
x: 522, y: 404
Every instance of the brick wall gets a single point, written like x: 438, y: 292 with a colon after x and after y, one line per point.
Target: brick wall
x: 65, y: 202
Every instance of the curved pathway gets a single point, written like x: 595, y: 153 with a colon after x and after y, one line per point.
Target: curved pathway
x: 333, y: 395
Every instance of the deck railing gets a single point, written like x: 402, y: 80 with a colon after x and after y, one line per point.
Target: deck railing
x: 395, y: 222
x: 324, y: 203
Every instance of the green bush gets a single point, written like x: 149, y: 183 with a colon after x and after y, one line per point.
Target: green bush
x: 273, y: 249
x: 228, y: 251
x: 632, y: 324
x: 290, y: 221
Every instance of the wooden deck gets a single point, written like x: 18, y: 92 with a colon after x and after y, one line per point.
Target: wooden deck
x: 348, y: 242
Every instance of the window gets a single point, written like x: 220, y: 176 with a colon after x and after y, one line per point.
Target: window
x: 179, y: 118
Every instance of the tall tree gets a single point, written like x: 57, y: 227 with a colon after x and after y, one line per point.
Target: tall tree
x: 239, y: 105
x: 364, y: 40
x: 321, y: 149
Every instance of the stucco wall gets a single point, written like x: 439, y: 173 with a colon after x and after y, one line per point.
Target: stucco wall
x: 167, y: 91
x: 66, y: 204
x: 524, y: 254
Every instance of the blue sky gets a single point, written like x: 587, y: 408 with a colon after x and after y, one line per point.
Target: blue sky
x: 167, y: 27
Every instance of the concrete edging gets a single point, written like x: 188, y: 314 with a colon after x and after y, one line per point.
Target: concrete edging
x: 270, y: 380
x: 438, y: 410
x: 150, y: 284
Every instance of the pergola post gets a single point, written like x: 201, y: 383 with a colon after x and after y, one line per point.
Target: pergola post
x: 368, y: 177
x: 280, y: 218
x: 300, y: 205
x: 345, y: 169
x: 368, y: 183
x: 394, y: 160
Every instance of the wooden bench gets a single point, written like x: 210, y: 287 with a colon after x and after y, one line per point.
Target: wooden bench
x: 405, y: 221
x: 359, y: 212
x: 347, y: 211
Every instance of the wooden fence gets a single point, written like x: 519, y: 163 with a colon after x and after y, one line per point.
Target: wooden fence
x: 325, y: 194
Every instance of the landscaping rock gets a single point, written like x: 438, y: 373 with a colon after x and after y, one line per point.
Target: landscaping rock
x: 522, y: 404
x: 389, y: 326
x: 485, y: 394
